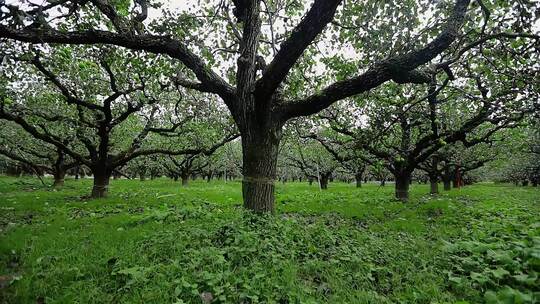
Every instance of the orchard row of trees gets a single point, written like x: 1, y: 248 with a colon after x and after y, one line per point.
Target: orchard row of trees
x: 324, y: 91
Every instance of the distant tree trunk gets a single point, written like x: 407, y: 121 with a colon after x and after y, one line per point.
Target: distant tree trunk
x: 208, y: 177
x: 77, y: 168
x: 434, y: 185
x: 447, y: 179
x: 358, y: 177
x: 175, y: 177
x: 457, y: 182
x: 403, y: 181
x: 434, y: 177
x: 383, y: 182
x: 142, y: 175
x: 535, y: 183
x: 310, y: 181
x: 525, y: 183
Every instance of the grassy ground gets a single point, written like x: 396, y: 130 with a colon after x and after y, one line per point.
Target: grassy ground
x: 155, y: 242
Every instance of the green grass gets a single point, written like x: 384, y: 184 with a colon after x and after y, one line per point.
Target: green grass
x: 156, y: 242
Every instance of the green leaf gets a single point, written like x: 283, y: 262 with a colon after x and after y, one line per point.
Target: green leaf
x: 500, y: 273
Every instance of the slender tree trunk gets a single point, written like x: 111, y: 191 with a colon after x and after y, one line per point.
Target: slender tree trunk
x: 402, y: 186
x: 383, y: 182
x: 101, y: 183
x: 434, y: 177
x: 142, y: 176
x: 260, y: 153
x: 310, y: 181
x: 434, y: 186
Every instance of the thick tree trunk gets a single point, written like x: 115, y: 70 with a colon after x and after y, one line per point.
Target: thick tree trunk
x: 260, y: 151
x: 59, y: 176
x: 59, y: 172
x: 185, y: 180
x: 402, y: 186
x: 324, y: 182
x: 101, y: 183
